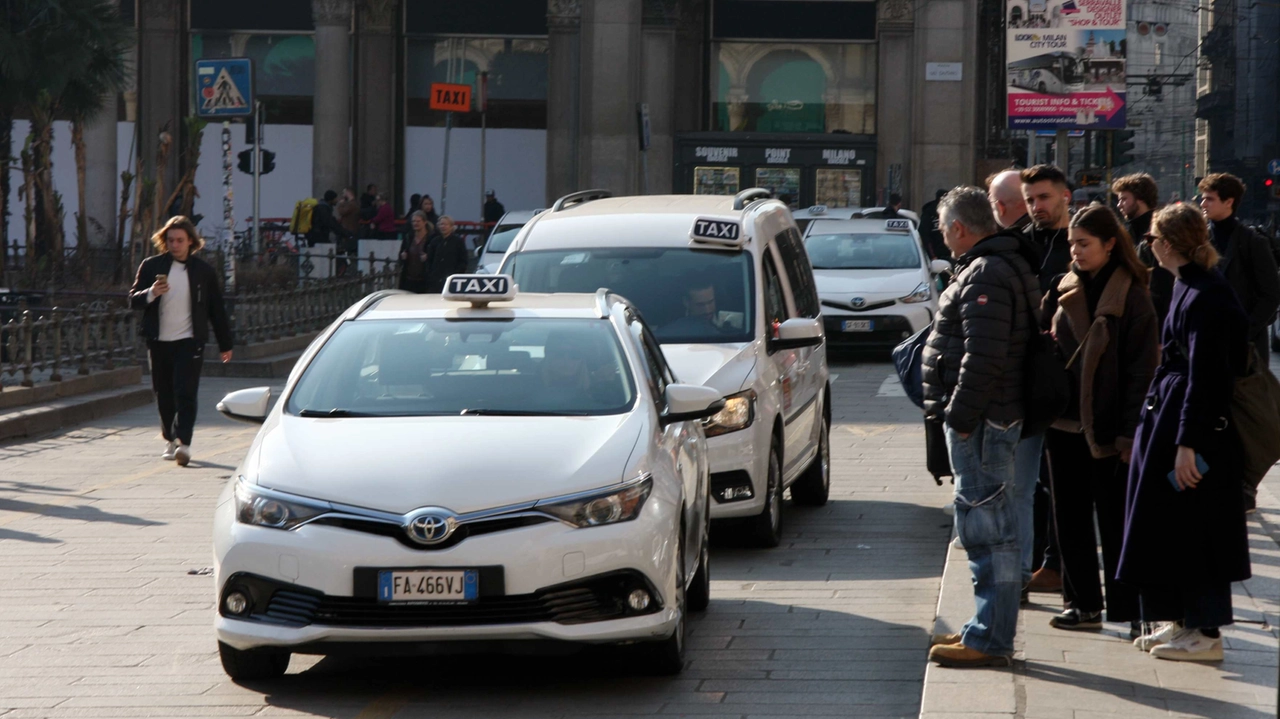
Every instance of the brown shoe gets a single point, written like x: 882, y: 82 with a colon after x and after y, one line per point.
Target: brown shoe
x: 1045, y: 580
x: 960, y: 656
x: 937, y: 639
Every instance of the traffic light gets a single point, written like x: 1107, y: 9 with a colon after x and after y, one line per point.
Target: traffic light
x: 246, y: 161
x: 1122, y: 148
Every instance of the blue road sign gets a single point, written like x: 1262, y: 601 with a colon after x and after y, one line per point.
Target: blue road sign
x: 224, y: 88
x: 1273, y: 167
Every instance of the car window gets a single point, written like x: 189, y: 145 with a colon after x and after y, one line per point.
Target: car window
x: 863, y: 251
x: 685, y: 295
x: 654, y: 367
x: 448, y: 367
x: 775, y: 306
x: 501, y: 238
x: 799, y: 273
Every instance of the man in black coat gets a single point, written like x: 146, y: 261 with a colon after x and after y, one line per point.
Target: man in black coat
x: 446, y: 255
x: 1137, y: 199
x: 1048, y: 197
x: 325, y: 227
x: 180, y: 297
x: 1247, y: 262
x: 972, y: 368
x: 930, y: 230
x: 493, y: 210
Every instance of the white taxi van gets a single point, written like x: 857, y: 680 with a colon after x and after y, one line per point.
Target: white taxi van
x: 726, y: 286
x: 876, y: 283
x: 480, y: 465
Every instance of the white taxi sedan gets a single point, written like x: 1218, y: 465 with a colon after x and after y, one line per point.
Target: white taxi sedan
x: 477, y: 466
x: 876, y: 284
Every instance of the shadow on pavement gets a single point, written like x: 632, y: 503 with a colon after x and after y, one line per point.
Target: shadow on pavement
x: 1178, y: 702
x: 83, y: 513
x: 18, y: 536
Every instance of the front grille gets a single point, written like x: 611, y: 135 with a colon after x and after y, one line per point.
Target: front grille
x: 836, y: 304
x: 476, y: 528
x: 590, y: 600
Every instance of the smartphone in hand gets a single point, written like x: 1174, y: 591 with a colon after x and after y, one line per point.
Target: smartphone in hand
x: 1201, y: 467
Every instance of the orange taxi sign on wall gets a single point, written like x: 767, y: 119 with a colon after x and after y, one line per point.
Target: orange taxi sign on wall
x: 450, y: 97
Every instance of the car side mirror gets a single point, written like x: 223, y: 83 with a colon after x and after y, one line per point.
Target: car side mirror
x: 687, y: 402
x: 938, y: 267
x: 247, y: 405
x: 797, y: 332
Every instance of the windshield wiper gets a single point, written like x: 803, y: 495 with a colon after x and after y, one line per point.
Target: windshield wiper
x: 515, y: 413
x: 335, y: 412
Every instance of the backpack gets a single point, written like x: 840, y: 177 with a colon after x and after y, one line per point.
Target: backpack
x: 301, y: 222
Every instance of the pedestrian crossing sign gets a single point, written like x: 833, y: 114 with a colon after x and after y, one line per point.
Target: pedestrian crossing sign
x: 224, y: 87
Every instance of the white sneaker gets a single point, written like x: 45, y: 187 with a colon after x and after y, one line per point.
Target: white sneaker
x: 170, y: 451
x: 1163, y: 635
x: 1191, y: 645
x: 183, y: 455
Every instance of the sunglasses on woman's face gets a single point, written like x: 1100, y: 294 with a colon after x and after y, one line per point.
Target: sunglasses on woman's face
x: 1150, y: 238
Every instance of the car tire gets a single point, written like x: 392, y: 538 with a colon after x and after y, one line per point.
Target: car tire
x: 814, y: 486
x: 251, y: 664
x: 765, y: 529
x: 699, y: 597
x: 666, y: 657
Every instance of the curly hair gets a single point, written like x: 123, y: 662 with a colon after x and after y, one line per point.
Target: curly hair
x: 1141, y: 185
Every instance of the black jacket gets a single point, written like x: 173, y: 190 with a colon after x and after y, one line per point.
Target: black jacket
x: 1161, y: 285
x: 206, y: 299
x: 493, y: 210
x: 445, y: 256
x: 973, y: 360
x: 1055, y: 254
x: 1250, y: 269
x: 324, y: 226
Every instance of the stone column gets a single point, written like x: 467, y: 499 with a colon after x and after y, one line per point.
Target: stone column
x: 660, y: 86
x: 690, y: 73
x: 895, y: 94
x: 564, y: 39
x: 944, y: 123
x: 375, y: 136
x: 331, y: 105
x: 160, y: 102
x: 610, y: 73
x: 101, y: 174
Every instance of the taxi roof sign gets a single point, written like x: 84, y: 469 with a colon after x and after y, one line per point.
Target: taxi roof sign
x: 818, y: 210
x: 897, y: 225
x: 479, y: 290
x: 717, y: 231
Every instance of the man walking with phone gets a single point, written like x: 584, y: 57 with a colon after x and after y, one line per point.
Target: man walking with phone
x: 180, y: 297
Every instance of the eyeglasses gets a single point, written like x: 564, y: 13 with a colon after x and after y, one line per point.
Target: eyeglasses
x: 1150, y: 238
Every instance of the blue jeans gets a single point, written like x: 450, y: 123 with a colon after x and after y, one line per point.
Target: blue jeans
x: 987, y: 522
x: 1026, y: 475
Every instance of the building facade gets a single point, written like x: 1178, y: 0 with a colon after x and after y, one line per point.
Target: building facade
x: 832, y: 101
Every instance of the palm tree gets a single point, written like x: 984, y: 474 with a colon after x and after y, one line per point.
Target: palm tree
x: 57, y: 57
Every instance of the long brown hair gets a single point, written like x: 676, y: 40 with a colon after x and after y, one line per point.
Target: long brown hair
x: 177, y: 222
x: 1184, y: 228
x: 1101, y: 222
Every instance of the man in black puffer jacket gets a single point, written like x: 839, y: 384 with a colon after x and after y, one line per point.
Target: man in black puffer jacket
x: 973, y: 378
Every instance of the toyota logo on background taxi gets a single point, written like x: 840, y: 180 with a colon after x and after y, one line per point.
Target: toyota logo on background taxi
x: 431, y: 526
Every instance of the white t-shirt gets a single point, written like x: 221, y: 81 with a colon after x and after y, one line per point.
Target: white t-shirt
x: 175, y: 305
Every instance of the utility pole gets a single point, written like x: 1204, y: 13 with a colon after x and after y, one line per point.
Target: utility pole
x: 1062, y: 152
x: 1111, y: 134
x: 257, y: 176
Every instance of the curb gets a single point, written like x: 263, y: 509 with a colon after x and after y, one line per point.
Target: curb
x: 39, y: 419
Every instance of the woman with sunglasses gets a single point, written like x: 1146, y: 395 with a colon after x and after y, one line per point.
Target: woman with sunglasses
x: 1185, y: 539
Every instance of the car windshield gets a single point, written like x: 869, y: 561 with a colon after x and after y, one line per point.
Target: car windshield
x: 523, y: 366
x: 862, y: 251
x: 501, y: 238
x: 686, y: 296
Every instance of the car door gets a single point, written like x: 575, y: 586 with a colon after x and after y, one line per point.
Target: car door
x: 785, y: 362
x: 801, y: 295
x: 681, y: 443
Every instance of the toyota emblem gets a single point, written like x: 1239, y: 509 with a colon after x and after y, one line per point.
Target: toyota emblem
x: 431, y: 526
x: 857, y: 302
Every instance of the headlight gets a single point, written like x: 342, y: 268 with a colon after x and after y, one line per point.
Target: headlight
x: 738, y: 413
x: 265, y: 508
x: 922, y: 293
x: 605, y: 507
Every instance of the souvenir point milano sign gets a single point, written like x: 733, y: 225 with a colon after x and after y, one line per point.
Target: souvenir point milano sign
x: 1066, y: 66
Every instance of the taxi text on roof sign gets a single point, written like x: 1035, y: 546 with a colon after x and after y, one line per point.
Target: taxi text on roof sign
x: 897, y: 225
x: 479, y: 288
x: 717, y: 231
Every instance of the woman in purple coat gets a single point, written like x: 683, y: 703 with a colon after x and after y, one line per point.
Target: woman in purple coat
x: 1185, y: 539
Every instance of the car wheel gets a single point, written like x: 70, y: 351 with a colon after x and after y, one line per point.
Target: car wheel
x: 765, y: 529
x: 666, y: 657
x: 250, y: 664
x: 700, y: 590
x: 814, y: 486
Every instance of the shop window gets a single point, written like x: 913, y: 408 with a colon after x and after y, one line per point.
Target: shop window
x: 284, y: 70
x: 710, y: 180
x: 838, y: 187
x: 783, y: 182
x: 517, y: 80
x: 794, y: 87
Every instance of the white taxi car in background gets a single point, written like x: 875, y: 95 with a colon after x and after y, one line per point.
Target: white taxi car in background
x: 725, y: 284
x: 875, y: 281
x: 495, y: 247
x: 477, y: 466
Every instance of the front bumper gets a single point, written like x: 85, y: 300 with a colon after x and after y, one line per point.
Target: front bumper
x: 737, y: 458
x: 325, y: 561
x: 890, y: 326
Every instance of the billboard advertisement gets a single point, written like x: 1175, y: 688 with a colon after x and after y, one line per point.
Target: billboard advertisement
x: 1066, y: 64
